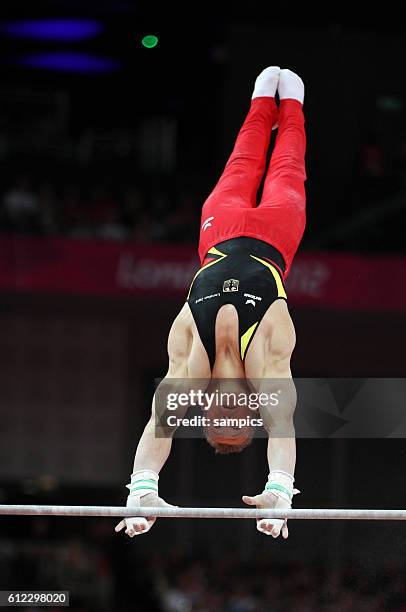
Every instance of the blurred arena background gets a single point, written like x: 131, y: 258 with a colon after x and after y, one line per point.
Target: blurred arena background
x: 108, y: 149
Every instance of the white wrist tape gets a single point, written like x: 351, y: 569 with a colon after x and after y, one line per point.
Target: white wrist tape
x: 280, y: 483
x: 142, y: 483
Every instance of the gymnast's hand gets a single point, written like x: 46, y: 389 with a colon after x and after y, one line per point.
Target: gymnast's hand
x: 138, y: 525
x: 273, y: 527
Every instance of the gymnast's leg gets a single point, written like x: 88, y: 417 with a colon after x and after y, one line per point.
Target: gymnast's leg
x: 238, y: 185
x: 284, y: 190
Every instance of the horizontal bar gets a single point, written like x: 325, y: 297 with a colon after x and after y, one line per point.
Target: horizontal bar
x: 208, y: 513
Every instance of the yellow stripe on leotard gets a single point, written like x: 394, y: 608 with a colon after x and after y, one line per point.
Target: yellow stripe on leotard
x: 275, y: 273
x: 212, y: 251
x: 245, y: 338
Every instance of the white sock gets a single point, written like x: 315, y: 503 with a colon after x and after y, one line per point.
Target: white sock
x: 290, y: 86
x: 266, y: 83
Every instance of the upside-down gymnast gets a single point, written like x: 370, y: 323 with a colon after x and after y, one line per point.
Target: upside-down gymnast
x: 243, y: 328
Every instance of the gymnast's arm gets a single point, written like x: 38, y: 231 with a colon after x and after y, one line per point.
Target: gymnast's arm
x: 271, y: 365
x: 155, y: 443
x: 267, y: 365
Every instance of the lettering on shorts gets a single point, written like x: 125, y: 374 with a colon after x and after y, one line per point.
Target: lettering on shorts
x: 207, y: 297
x: 253, y: 297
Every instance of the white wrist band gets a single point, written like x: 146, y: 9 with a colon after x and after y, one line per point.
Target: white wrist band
x: 280, y: 483
x: 143, y: 482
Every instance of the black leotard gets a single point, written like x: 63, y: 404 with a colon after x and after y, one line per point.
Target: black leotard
x: 245, y: 272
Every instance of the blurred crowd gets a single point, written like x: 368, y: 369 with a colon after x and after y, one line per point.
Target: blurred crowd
x: 368, y: 215
x: 262, y: 585
x: 371, y: 219
x: 98, y: 210
x: 102, y: 572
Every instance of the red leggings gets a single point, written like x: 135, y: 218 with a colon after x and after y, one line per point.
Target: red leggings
x: 231, y: 209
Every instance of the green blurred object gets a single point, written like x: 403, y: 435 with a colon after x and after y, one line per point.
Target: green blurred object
x: 150, y: 41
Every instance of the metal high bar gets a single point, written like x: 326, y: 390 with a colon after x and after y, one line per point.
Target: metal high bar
x: 204, y: 513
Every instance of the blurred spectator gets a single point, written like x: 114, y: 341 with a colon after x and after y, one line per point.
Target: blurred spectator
x: 378, y: 176
x: 103, y: 214
x: 159, y: 208
x: 133, y: 206
x: 74, y: 223
x: 20, y: 207
x: 147, y: 216
x: 183, y: 221
x: 373, y: 160
x: 48, y: 209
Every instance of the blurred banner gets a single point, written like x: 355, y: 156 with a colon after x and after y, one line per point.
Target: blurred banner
x: 58, y: 265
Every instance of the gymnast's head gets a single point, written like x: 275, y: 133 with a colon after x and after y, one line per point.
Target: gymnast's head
x: 230, y: 421
x: 227, y: 439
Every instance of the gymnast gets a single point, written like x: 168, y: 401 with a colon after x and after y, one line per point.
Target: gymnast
x: 235, y: 323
